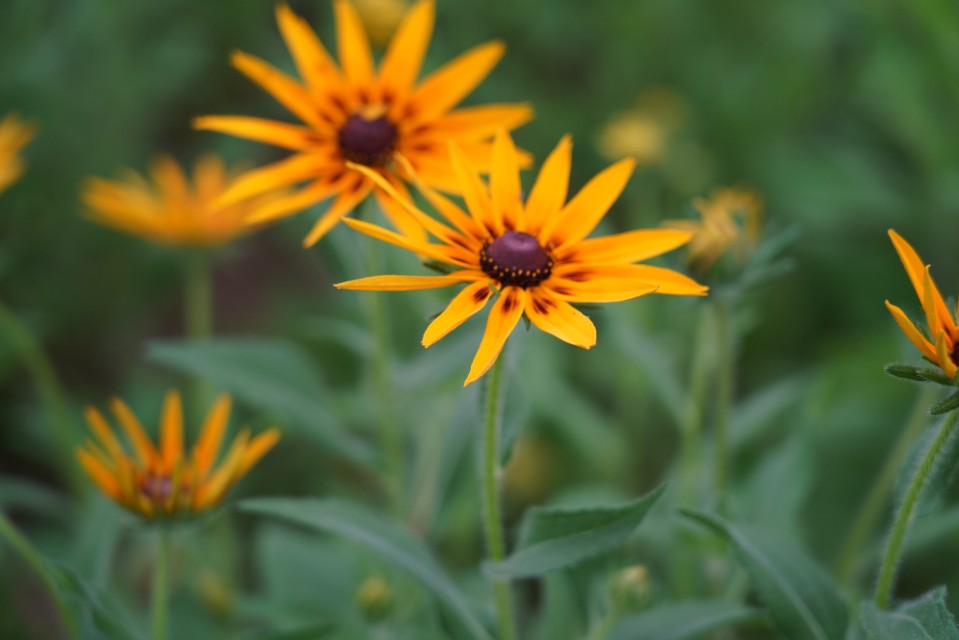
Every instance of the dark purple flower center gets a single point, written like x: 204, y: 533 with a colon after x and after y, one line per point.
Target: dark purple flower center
x: 368, y: 141
x: 156, y: 487
x: 516, y: 259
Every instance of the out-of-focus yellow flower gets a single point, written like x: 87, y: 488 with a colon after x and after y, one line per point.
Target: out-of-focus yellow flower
x: 730, y: 220
x: 14, y: 135
x: 381, y: 18
x: 166, y: 208
x: 942, y: 344
x: 164, y: 482
x: 355, y: 113
x: 643, y: 132
x: 531, y: 255
x: 374, y: 598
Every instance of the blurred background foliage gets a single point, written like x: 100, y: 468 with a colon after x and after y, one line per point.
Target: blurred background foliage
x: 842, y: 115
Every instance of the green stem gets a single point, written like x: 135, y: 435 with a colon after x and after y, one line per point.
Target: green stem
x: 602, y: 630
x: 874, y: 506
x: 907, y: 510
x: 725, y: 374
x: 48, y: 388
x: 690, y: 427
x: 198, y: 319
x: 492, y: 509
x: 160, y: 598
x: 33, y: 558
x: 389, y: 435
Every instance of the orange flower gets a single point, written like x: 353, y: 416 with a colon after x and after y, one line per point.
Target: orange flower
x: 353, y: 113
x: 171, y: 210
x: 535, y: 254
x: 940, y: 347
x: 162, y: 482
x: 14, y: 135
x: 729, y: 220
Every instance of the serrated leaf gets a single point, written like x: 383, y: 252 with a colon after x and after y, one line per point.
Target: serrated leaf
x: 683, y: 620
x: 946, y: 405
x: 554, y: 538
x: 362, y: 526
x: 274, y: 375
x: 802, y: 599
x: 925, y: 618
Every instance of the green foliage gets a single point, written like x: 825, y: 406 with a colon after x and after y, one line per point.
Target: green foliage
x: 925, y: 618
x: 683, y: 620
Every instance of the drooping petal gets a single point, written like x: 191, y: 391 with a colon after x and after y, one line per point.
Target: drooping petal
x: 211, y: 436
x: 631, y: 246
x: 352, y: 44
x: 503, y: 317
x: 504, y: 182
x: 908, y: 328
x: 283, y: 88
x: 581, y: 215
x: 465, y: 304
x: 397, y: 213
x: 279, y: 134
x: 436, y: 251
x: 560, y: 319
x: 916, y: 272
x: 404, y: 57
x: 447, y: 86
x: 142, y: 446
x: 446, y: 207
x: 171, y: 431
x: 403, y: 283
x: 549, y: 191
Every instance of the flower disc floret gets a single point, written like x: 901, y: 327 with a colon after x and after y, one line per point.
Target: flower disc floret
x: 368, y: 141
x: 516, y: 259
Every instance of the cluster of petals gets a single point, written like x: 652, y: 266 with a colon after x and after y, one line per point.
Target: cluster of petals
x: 729, y: 221
x: 15, y: 133
x: 354, y: 112
x: 163, y: 481
x: 939, y: 344
x: 533, y: 251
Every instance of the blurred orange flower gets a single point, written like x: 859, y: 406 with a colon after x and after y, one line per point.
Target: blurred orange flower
x: 14, y: 135
x: 163, y: 482
x: 356, y: 114
x: 169, y: 209
x: 729, y: 220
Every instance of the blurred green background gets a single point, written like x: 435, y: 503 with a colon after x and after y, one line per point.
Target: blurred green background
x: 841, y: 114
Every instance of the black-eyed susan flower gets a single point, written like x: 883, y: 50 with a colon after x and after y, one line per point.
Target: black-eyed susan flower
x: 939, y: 343
x: 354, y: 113
x: 534, y: 254
x: 644, y: 131
x: 163, y: 481
x: 14, y: 135
x: 730, y: 221
x: 165, y: 207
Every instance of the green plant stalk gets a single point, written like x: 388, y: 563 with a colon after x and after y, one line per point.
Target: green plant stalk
x: 874, y: 506
x: 724, y: 388
x: 36, y: 562
x: 492, y: 509
x: 198, y: 319
x: 48, y: 388
x: 391, y: 444
x: 606, y: 625
x: 160, y: 597
x: 690, y: 427
x: 907, y: 510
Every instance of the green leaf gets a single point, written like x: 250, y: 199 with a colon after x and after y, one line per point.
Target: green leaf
x: 802, y: 599
x: 360, y: 525
x: 97, y: 616
x: 925, y: 618
x: 919, y: 374
x: 312, y: 632
x: 554, y: 538
x: 683, y: 620
x: 945, y: 406
x: 941, y: 475
x: 273, y: 375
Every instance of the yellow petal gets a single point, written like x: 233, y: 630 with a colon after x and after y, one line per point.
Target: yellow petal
x: 599, y: 290
x: 104, y: 433
x: 210, y: 492
x: 312, y: 59
x: 211, y: 436
x: 447, y: 86
x: 284, y: 89
x: 280, y: 134
x: 587, y: 208
x: 504, y: 182
x: 145, y: 451
x: 394, y: 207
x: 100, y: 475
x: 560, y: 319
x: 352, y: 44
x: 474, y: 192
x: 289, y: 205
x: 916, y: 272
x: 283, y: 173
x: 667, y: 281
x: 258, y: 447
x: 503, y: 317
x: 478, y: 123
x: 908, y: 328
x: 402, y: 283
x: 404, y: 57
x: 436, y: 251
x: 929, y: 307
x: 343, y: 204
x: 942, y: 356
x: 631, y: 246
x: 466, y: 303
x: 549, y: 192
x: 171, y: 431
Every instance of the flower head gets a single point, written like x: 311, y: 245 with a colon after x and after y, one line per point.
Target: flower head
x: 353, y: 113
x: 644, y: 131
x: 729, y: 221
x: 940, y: 344
x: 14, y: 135
x: 534, y: 253
x: 162, y: 481
x: 169, y: 209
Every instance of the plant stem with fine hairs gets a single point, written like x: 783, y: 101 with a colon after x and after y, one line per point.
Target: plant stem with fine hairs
x: 160, y: 598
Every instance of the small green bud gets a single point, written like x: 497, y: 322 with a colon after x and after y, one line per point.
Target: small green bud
x: 629, y: 589
x: 374, y: 598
